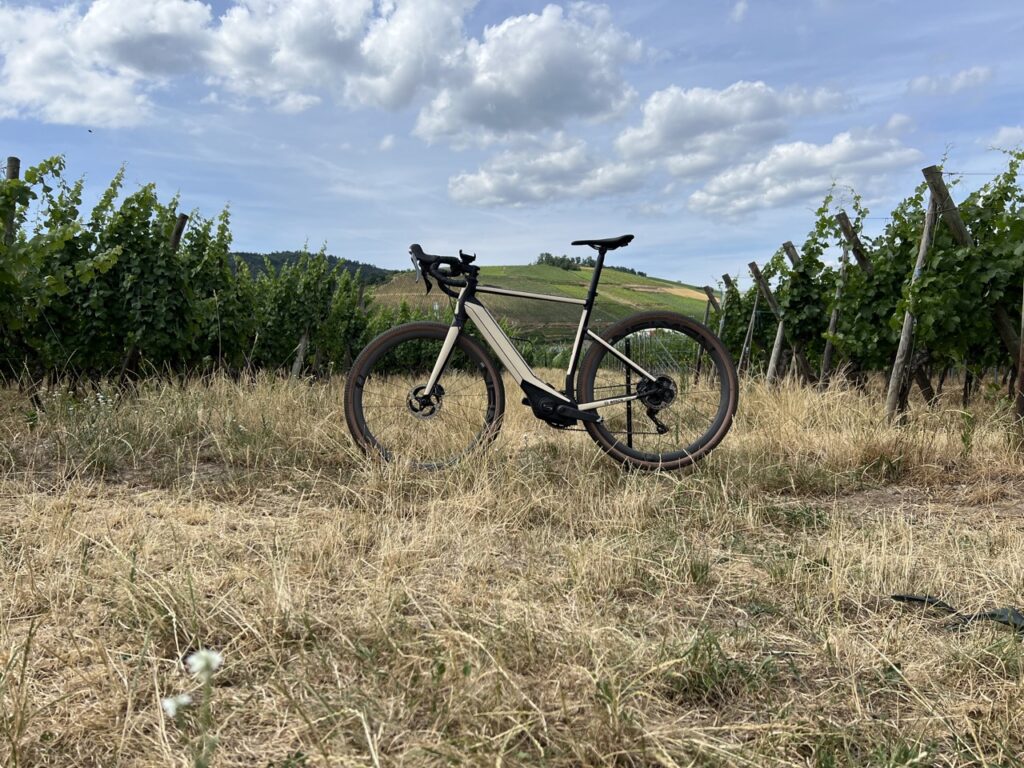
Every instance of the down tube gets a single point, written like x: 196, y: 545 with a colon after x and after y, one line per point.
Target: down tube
x: 504, y: 348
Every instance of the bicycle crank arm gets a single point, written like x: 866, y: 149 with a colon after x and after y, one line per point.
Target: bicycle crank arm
x: 568, y: 412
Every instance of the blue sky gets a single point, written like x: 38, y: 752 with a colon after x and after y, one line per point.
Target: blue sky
x: 710, y: 130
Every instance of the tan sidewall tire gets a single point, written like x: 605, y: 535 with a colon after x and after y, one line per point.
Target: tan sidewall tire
x: 411, y: 331
x: 710, y: 341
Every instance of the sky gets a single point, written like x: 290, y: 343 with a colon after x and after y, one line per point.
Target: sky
x: 709, y: 129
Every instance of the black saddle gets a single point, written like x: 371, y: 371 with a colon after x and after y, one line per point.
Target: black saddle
x: 607, y: 244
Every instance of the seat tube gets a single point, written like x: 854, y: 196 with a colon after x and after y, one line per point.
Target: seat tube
x: 581, y: 332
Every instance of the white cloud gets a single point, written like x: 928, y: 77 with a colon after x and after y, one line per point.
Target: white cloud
x: 966, y: 79
x: 386, y: 143
x: 282, y: 52
x: 370, y: 54
x: 153, y: 38
x: 47, y: 74
x: 801, y: 170
x: 532, y: 73
x: 899, y: 122
x: 565, y: 169
x: 697, y: 129
x: 408, y: 48
x: 293, y: 103
x: 1008, y: 137
x: 527, y: 73
x: 97, y: 62
x: 739, y: 11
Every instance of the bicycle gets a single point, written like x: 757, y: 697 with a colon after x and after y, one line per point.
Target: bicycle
x: 427, y: 393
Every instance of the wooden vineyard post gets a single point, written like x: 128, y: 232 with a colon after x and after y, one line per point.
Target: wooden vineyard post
x: 707, y: 312
x: 951, y: 215
x: 802, y: 365
x: 748, y: 340
x: 712, y: 301
x: 773, y: 361
x: 853, y: 239
x: 794, y: 258
x: 899, y: 366
x: 833, y: 321
x: 13, y: 172
x: 1020, y: 362
x: 699, y: 360
x: 864, y: 261
x: 791, y: 252
x: 300, y: 354
x: 725, y: 292
x: 179, y: 230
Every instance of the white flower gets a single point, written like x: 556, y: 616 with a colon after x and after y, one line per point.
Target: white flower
x: 172, y: 704
x: 204, y: 662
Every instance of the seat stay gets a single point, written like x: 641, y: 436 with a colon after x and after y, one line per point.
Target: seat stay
x: 626, y: 360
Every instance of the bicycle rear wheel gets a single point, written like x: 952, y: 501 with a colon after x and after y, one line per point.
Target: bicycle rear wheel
x: 389, y: 412
x: 684, y: 415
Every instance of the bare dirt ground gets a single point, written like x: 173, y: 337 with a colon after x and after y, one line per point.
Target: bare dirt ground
x: 536, y: 605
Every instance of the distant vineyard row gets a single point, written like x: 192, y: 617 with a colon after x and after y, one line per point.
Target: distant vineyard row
x: 134, y: 286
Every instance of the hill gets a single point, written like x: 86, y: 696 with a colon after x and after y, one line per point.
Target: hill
x: 619, y: 294
x: 370, y: 274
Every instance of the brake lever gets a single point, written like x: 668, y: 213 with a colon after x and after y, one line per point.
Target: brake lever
x: 420, y: 274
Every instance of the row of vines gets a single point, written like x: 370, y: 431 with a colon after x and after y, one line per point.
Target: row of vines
x: 113, y: 292
x: 966, y: 302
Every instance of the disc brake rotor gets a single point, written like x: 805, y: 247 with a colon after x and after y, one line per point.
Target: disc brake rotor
x: 424, y: 406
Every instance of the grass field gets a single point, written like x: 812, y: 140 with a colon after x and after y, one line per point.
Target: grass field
x: 537, y: 605
x: 620, y: 294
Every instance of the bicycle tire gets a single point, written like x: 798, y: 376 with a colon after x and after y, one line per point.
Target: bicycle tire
x: 398, y: 429
x: 715, y: 389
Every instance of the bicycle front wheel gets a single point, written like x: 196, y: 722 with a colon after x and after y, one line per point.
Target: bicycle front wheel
x: 675, y: 420
x: 390, y: 413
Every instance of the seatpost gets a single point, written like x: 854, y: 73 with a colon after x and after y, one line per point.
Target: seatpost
x: 588, y: 307
x: 592, y: 293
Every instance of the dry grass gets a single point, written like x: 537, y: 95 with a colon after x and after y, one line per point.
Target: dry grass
x: 536, y: 605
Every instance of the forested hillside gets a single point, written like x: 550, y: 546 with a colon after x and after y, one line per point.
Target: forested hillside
x: 368, y: 273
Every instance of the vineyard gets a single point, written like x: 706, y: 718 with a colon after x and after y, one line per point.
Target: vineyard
x: 937, y: 292
x: 177, y: 481
x: 139, y: 287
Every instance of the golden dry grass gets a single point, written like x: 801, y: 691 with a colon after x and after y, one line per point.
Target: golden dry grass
x: 535, y: 605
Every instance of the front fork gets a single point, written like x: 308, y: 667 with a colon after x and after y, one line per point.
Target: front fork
x: 442, y: 358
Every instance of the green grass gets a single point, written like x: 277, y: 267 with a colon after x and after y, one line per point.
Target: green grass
x: 620, y: 294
